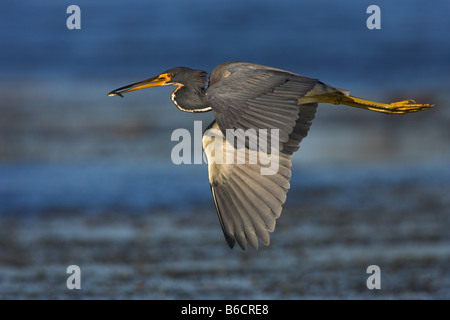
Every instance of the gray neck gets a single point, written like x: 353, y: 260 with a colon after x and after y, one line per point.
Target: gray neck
x: 190, y: 99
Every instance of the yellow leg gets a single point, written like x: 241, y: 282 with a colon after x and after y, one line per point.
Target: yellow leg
x: 400, y: 107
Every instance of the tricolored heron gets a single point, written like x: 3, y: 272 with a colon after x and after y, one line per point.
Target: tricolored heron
x: 251, y: 96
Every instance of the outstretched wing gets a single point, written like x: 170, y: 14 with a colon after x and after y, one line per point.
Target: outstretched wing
x: 249, y: 96
x: 250, y: 192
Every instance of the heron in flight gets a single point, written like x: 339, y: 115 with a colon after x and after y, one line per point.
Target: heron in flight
x: 254, y: 97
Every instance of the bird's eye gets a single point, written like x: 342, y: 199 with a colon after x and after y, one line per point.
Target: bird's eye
x: 170, y: 75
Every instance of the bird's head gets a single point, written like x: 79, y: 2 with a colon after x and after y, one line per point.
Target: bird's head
x: 179, y: 76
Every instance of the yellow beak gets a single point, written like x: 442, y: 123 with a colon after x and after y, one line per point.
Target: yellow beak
x: 158, y: 81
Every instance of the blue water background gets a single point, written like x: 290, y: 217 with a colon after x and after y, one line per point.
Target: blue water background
x: 54, y: 82
x: 325, y: 39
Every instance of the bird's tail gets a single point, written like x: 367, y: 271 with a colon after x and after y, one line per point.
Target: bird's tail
x: 400, y: 107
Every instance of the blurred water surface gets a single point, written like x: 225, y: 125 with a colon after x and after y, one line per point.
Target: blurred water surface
x: 66, y: 149
x: 325, y: 39
x: 54, y: 80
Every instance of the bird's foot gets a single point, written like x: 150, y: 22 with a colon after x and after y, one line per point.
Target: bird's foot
x: 400, y: 107
x: 406, y: 106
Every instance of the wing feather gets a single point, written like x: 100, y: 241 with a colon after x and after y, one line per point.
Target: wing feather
x: 247, y: 202
x: 250, y: 89
x: 246, y: 96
